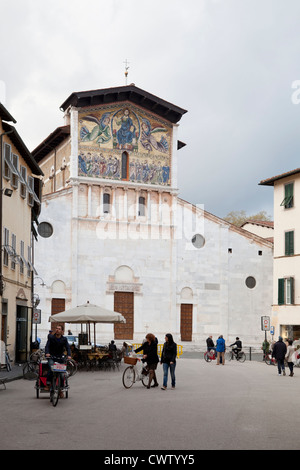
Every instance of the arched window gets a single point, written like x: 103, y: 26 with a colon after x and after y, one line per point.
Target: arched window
x: 142, y: 206
x: 124, y: 166
x: 106, y: 203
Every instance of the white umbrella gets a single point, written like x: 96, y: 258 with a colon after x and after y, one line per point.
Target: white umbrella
x: 88, y: 313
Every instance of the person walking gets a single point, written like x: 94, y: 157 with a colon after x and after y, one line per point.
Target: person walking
x: 168, y: 360
x: 150, y: 355
x: 220, y: 348
x: 279, y: 352
x: 289, y: 356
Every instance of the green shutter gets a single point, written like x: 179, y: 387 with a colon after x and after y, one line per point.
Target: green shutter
x: 288, y: 200
x: 292, y: 289
x: 280, y: 291
x: 289, y: 243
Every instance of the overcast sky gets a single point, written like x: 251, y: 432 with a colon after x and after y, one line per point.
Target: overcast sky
x: 231, y: 63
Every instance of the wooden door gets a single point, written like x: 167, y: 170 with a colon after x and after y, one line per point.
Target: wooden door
x: 57, y: 306
x: 186, y: 322
x: 124, y: 304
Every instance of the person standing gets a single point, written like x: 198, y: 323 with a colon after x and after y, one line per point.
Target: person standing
x: 150, y: 355
x: 210, y: 344
x: 289, y: 356
x: 279, y: 352
x: 220, y: 348
x: 168, y: 360
x: 265, y: 348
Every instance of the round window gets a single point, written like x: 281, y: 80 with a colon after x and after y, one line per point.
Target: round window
x: 198, y: 241
x: 250, y: 282
x: 45, y: 229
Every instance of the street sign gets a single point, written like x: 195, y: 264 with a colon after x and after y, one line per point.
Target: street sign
x: 36, y: 319
x: 272, y: 330
x: 265, y: 323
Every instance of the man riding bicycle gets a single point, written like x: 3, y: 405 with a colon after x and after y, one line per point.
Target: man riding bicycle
x: 56, y: 345
x: 238, y: 346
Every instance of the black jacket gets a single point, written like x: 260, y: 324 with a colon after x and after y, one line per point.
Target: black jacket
x: 169, y: 353
x: 279, y: 350
x: 238, y: 344
x: 150, y: 350
x: 210, y: 343
x: 57, y: 346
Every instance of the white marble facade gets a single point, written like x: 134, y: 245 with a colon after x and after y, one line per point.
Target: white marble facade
x: 173, y: 254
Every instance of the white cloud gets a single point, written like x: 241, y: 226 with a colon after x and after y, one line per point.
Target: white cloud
x: 230, y: 63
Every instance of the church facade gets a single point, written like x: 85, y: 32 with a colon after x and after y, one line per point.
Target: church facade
x: 113, y: 230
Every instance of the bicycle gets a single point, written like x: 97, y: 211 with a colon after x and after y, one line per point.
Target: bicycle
x: 30, y: 370
x: 72, y: 367
x: 239, y: 356
x: 7, y: 359
x: 210, y: 355
x: 133, y: 374
x: 59, y: 380
x: 270, y: 360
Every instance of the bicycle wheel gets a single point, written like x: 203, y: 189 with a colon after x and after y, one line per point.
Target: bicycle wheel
x: 30, y: 370
x: 71, y: 367
x: 128, y: 377
x: 54, y: 395
x: 7, y: 361
x: 241, y: 357
x: 207, y: 357
x: 268, y: 360
x: 228, y: 356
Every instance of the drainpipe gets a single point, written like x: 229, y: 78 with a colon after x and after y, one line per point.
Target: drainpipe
x: 1, y: 204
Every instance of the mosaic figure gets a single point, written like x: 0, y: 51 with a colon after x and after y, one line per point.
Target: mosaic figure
x: 148, y: 141
x: 126, y: 132
x: 100, y: 133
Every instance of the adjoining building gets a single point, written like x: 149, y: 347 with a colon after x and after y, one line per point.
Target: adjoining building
x: 262, y: 228
x: 286, y: 271
x: 20, y: 196
x: 114, y: 231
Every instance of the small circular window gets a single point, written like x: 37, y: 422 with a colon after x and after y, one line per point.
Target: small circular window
x: 198, y: 241
x: 250, y: 282
x: 45, y: 229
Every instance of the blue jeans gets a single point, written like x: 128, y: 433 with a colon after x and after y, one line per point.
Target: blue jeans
x: 280, y: 365
x: 172, y: 373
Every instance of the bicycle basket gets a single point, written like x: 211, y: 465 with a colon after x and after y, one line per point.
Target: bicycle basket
x: 59, y: 367
x: 130, y: 360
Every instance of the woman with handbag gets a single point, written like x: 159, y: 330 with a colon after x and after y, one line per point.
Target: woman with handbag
x: 168, y: 360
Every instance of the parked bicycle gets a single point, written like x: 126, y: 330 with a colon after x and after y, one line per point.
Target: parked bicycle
x: 30, y: 370
x: 210, y: 355
x: 7, y: 359
x: 133, y: 374
x: 271, y: 361
x: 239, y: 355
x: 59, y: 381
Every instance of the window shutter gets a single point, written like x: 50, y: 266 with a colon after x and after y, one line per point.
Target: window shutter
x: 289, y: 195
x: 292, y: 289
x: 289, y: 243
x: 280, y: 291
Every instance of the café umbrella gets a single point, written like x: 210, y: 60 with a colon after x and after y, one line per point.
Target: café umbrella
x: 88, y: 313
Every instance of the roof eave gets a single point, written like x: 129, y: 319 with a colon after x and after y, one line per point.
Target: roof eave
x: 130, y: 93
x: 20, y: 145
